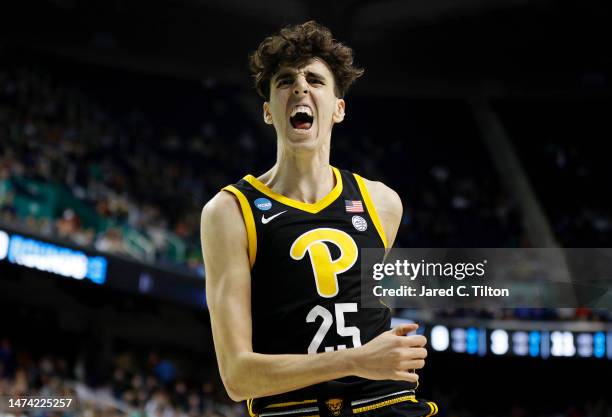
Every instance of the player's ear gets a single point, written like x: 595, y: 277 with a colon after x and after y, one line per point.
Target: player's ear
x: 338, y: 115
x: 266, y: 113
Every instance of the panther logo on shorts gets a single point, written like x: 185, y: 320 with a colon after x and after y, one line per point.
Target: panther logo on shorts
x: 334, y: 405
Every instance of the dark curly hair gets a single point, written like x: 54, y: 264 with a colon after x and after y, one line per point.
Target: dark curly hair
x: 295, y: 44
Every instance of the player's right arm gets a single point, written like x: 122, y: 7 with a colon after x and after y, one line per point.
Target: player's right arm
x: 247, y: 374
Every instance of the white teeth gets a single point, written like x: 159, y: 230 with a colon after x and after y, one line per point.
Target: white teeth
x: 301, y: 109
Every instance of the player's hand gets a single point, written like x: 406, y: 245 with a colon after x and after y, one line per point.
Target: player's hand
x: 392, y: 355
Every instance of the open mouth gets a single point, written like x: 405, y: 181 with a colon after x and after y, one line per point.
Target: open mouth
x: 301, y: 118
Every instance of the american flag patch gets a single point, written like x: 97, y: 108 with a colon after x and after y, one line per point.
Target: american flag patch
x: 353, y: 206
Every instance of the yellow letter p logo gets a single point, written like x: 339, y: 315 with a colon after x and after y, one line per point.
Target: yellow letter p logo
x: 325, y: 268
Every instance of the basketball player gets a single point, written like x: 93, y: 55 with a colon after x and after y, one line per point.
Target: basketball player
x: 282, y: 256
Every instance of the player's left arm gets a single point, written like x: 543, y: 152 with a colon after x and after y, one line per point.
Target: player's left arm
x: 389, y: 207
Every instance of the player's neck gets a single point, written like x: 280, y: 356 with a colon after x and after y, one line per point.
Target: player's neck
x: 301, y: 177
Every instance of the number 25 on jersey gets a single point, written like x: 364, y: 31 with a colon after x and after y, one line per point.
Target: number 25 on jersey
x: 326, y: 270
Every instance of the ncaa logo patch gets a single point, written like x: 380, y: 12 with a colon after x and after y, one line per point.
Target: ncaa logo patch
x: 263, y: 204
x: 360, y: 223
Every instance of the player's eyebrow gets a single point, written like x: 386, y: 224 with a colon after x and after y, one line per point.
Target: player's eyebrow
x: 315, y: 74
x: 290, y: 73
x: 284, y: 73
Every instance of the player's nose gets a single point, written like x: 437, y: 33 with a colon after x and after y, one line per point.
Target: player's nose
x: 300, y: 87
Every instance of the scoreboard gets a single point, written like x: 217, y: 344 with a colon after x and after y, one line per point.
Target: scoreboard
x: 535, y: 339
x: 56, y: 259
x: 64, y: 260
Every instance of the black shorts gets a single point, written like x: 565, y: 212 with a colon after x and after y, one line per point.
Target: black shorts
x: 399, y: 404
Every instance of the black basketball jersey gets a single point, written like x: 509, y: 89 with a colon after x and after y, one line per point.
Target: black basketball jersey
x: 305, y: 278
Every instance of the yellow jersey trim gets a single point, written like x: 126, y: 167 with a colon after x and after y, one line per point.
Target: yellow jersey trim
x: 371, y: 209
x: 434, y: 409
x: 250, y: 407
x: 308, y: 207
x: 385, y: 403
x: 290, y: 403
x: 287, y: 404
x: 249, y: 221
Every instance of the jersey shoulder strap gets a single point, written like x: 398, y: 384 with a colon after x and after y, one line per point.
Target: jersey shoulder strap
x: 356, y: 189
x: 240, y: 190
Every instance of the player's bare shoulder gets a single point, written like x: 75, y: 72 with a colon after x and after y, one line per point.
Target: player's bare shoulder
x: 384, y: 197
x: 221, y: 204
x: 388, y: 206
x: 221, y: 217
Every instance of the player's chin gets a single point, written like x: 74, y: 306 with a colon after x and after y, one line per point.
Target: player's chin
x: 301, y: 136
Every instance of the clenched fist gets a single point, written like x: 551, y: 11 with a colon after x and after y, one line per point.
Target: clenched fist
x: 392, y: 355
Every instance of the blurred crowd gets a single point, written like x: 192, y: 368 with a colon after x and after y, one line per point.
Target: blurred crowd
x: 559, y: 143
x: 138, y: 191
x: 455, y: 407
x: 586, y: 219
x: 154, y: 386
